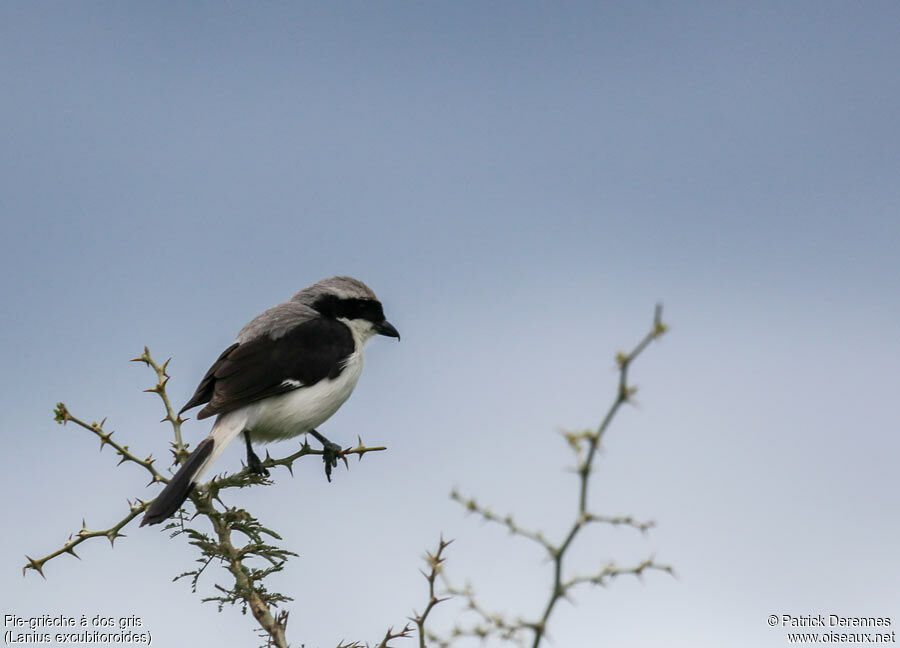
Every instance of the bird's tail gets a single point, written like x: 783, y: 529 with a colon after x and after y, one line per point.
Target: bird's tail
x: 227, y: 427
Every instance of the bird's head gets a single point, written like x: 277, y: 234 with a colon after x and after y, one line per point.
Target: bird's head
x: 349, y: 300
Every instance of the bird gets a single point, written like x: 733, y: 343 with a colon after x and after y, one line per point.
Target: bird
x: 290, y: 368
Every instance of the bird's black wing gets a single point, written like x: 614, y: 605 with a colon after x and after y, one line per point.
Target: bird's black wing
x: 250, y: 371
x: 205, y: 389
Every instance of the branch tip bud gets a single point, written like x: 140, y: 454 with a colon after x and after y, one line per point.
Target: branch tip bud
x: 60, y: 413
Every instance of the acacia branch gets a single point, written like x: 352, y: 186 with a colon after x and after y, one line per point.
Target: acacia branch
x: 612, y: 571
x: 472, y: 506
x: 584, y: 444
x: 624, y: 392
x: 162, y: 378
x: 245, y: 477
x: 434, y: 561
x: 63, y: 416
x: 490, y: 623
x: 75, y: 539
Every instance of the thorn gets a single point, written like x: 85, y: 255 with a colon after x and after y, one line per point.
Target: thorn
x: 71, y: 550
x: 36, y: 565
x: 104, y: 438
x: 290, y: 468
x: 658, y: 327
x: 164, y: 365
x: 144, y: 357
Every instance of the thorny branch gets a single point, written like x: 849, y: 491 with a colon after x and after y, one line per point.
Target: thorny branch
x: 63, y: 416
x: 179, y: 450
x: 248, y: 590
x: 584, y: 444
x: 435, y: 562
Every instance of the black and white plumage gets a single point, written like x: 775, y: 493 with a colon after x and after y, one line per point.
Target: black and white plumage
x: 289, y: 370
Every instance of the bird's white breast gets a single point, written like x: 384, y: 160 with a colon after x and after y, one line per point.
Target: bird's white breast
x: 301, y: 410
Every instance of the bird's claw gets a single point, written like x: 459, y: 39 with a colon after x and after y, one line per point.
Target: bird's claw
x: 331, y: 452
x: 254, y: 466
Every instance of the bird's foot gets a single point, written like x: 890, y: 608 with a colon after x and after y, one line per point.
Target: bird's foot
x: 254, y: 465
x: 331, y: 452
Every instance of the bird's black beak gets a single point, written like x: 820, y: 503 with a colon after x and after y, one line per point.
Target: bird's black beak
x: 386, y: 328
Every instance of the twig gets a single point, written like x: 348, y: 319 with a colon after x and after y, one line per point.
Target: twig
x: 612, y: 571
x: 75, y: 539
x: 492, y: 623
x: 178, y: 448
x: 63, y: 416
x: 434, y: 561
x: 472, y: 506
x: 390, y: 635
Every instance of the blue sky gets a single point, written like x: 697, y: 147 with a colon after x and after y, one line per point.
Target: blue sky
x: 519, y: 183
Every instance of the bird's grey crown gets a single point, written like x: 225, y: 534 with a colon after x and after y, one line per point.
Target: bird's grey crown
x: 340, y: 287
x: 280, y: 319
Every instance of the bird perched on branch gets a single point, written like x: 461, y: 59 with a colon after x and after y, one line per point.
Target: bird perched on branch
x: 289, y: 370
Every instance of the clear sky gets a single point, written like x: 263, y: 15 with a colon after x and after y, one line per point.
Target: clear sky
x: 519, y: 183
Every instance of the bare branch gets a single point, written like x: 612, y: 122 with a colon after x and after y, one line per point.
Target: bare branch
x: 63, y: 416
x: 472, y: 506
x: 390, y: 635
x: 489, y: 624
x: 179, y: 449
x: 611, y: 571
x: 620, y: 520
x: 584, y: 445
x: 434, y: 561
x: 76, y: 538
x: 559, y: 587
